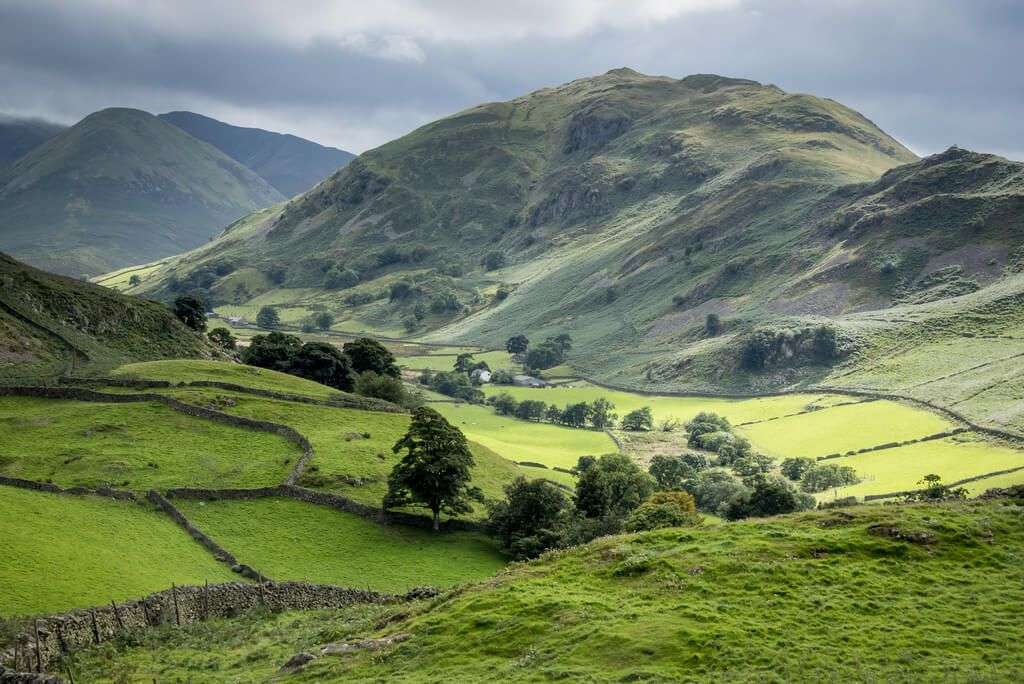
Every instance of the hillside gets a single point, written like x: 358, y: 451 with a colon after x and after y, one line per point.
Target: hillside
x: 50, y: 325
x: 18, y: 136
x: 289, y: 163
x: 120, y: 187
x: 833, y: 595
x: 625, y: 209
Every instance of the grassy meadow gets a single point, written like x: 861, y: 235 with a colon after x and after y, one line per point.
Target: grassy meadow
x: 134, y: 446
x: 191, y: 370
x: 288, y: 539
x: 61, y: 552
x: 439, y: 362
x: 747, y: 601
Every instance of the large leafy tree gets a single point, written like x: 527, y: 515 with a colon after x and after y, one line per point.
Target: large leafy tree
x: 612, y: 487
x: 368, y: 354
x: 527, y: 522
x: 517, y: 344
x: 267, y: 317
x: 435, y: 471
x: 325, y: 364
x: 191, y: 311
x: 275, y: 351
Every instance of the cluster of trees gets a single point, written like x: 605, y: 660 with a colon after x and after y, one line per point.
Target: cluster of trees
x: 712, y: 432
x: 612, y: 495
x: 363, y: 365
x: 548, y: 354
x: 599, y: 414
x: 321, y: 320
x: 768, y: 348
x: 815, y: 476
x: 458, y: 382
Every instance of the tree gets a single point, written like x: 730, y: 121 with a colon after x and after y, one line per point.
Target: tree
x: 223, y: 338
x: 576, y: 415
x: 517, y: 344
x: 493, y: 261
x: 768, y: 497
x: 191, y: 311
x: 463, y: 363
x: 531, y: 409
x: 275, y: 351
x: 822, y: 476
x: 505, y: 404
x: 134, y: 280
x: 670, y: 472
x: 639, y: 420
x: 712, y: 325
x: 341, y: 278
x: 370, y: 384
x: 715, y: 488
x: 703, y: 423
x: 435, y: 471
x: 268, y: 318
x: 553, y: 414
x: 543, y: 356
x: 602, y: 414
x: 368, y: 354
x: 664, y: 509
x: 324, y: 363
x: 562, y: 342
x: 527, y: 522
x: 794, y: 468
x: 323, y: 320
x: 612, y: 487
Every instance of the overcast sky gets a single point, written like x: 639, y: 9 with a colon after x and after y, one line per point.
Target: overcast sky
x: 933, y: 73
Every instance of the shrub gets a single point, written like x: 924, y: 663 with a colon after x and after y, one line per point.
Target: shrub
x: 493, y: 261
x: 712, y: 325
x: 664, y: 509
x: 370, y: 384
x: 223, y: 338
x: 340, y: 278
x: 639, y: 420
x: 134, y: 280
x: 191, y: 311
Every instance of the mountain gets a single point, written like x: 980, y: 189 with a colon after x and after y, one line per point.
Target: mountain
x: 51, y: 325
x: 625, y: 209
x: 19, y: 135
x: 117, y: 188
x: 289, y: 163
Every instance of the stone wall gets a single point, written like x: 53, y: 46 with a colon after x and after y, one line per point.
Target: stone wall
x: 77, y: 629
x: 54, y: 489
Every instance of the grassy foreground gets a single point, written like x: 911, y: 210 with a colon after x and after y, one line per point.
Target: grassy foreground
x: 61, y: 552
x: 134, y: 446
x: 188, y: 370
x: 288, y: 539
x: 827, y: 596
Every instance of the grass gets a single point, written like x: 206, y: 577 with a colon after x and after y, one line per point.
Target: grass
x: 438, y: 362
x: 901, y: 469
x: 844, y: 428
x: 1006, y: 480
x: 288, y: 539
x: 807, y: 597
x: 187, y: 370
x: 136, y: 446
x: 65, y: 551
x: 665, y: 406
x: 519, y: 440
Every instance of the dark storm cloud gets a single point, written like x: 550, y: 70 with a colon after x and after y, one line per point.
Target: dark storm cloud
x: 931, y: 72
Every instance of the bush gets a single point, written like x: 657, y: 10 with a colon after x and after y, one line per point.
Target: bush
x: 370, y: 384
x: 712, y: 325
x: 501, y: 377
x: 493, y: 261
x: 640, y: 420
x: 340, y: 278
x: 822, y: 476
x: 703, y: 423
x: 191, y: 311
x: 664, y: 509
x: 223, y: 338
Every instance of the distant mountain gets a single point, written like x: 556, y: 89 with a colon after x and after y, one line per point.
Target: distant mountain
x: 18, y: 136
x: 51, y: 325
x: 117, y: 188
x: 289, y: 163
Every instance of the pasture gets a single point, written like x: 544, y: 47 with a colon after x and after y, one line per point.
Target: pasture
x: 519, y: 440
x: 191, y: 370
x: 60, y: 552
x: 439, y: 362
x: 288, y: 539
x: 134, y: 446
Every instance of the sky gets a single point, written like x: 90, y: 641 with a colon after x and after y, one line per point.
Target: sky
x: 932, y: 73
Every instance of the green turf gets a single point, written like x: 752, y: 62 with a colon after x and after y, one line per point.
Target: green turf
x: 187, y: 370
x: 288, y: 539
x: 437, y: 362
x: 60, y: 552
x: 902, y: 468
x: 809, y: 597
x: 519, y: 440
x: 135, y: 446
x: 998, y: 481
x: 843, y: 428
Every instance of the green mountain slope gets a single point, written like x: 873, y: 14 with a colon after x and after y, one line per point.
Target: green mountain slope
x: 895, y: 593
x: 120, y: 187
x: 51, y: 325
x: 18, y: 136
x: 624, y: 209
x: 289, y: 163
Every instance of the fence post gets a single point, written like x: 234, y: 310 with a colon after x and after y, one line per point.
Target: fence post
x: 117, y: 616
x: 206, y: 600
x: 95, y: 627
x: 39, y: 653
x: 174, y: 595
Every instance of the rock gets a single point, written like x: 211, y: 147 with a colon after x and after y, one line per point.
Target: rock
x: 297, y: 662
x: 341, y: 648
x: 912, y: 536
x: 421, y: 593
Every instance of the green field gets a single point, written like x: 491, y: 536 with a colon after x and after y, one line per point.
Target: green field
x: 843, y: 428
x: 953, y: 458
x: 288, y: 539
x: 438, y: 362
x: 743, y: 602
x: 1005, y: 480
x: 346, y: 461
x: 519, y: 440
x: 60, y: 552
x: 135, y: 446
x: 187, y: 370
x: 665, y: 406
